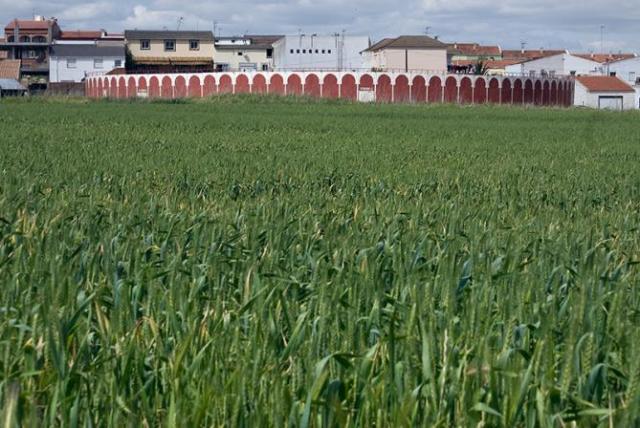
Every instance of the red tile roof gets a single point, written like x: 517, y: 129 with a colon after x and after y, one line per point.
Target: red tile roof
x: 29, y: 24
x: 474, y: 49
x: 528, y: 55
x: 604, y: 84
x: 604, y: 58
x: 80, y: 35
x: 490, y: 65
x: 10, y: 69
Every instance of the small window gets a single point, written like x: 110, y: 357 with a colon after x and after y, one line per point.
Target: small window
x: 118, y: 63
x: 310, y: 51
x: 239, y: 53
x: 291, y: 51
x: 632, y: 76
x: 297, y: 51
x: 269, y: 53
x: 169, y: 45
x: 317, y: 51
x: 71, y: 63
x: 194, y: 45
x: 304, y: 51
x: 324, y: 51
x: 265, y: 67
x: 97, y: 63
x: 329, y: 51
x: 145, y: 45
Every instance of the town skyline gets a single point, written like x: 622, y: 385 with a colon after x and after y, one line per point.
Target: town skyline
x: 540, y: 24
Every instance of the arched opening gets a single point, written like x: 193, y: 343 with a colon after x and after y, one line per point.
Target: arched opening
x: 419, y: 90
x: 113, y: 88
x: 494, y: 91
x: 142, y: 86
x: 181, y: 87
x: 39, y: 39
x: 435, y: 90
x: 166, y: 90
x: 330, y: 86
x: 383, y: 89
x: 480, y: 91
x: 546, y: 93
x: 294, y: 85
x: 528, y: 92
x: 401, y: 90
x: 451, y: 90
x: 131, y: 88
x: 209, y: 85
x: 466, y: 91
x: 25, y: 39
x: 553, y: 96
x: 507, y: 94
x: 312, y: 85
x: 348, y: 89
x: 366, y: 82
x: 122, y: 88
x: 259, y: 84
x: 276, y: 85
x: 518, y: 92
x: 242, y: 84
x: 225, y: 86
x: 537, y: 93
x: 195, y: 89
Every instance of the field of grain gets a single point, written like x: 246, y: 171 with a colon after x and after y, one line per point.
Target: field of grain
x: 273, y: 262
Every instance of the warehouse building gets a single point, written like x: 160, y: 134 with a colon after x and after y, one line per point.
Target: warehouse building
x: 317, y: 53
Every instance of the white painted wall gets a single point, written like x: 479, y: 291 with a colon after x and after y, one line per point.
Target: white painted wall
x: 560, y: 65
x: 432, y: 60
x: 59, y: 70
x: 305, y: 57
x: 584, y: 98
x: 627, y: 70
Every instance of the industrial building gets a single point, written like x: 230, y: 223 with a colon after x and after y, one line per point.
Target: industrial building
x: 316, y: 52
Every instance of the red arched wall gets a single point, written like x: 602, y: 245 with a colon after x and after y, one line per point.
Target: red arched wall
x: 518, y: 92
x: 507, y: 93
x: 401, y: 90
x: 294, y: 85
x: 195, y: 90
x: 528, y: 92
x: 451, y: 90
x: 225, y: 86
x: 348, y: 89
x: 537, y: 93
x: 209, y: 86
x: 419, y: 90
x: 113, y: 86
x: 131, y: 88
x: 181, y: 87
x: 466, y: 91
x: 366, y: 82
x: 480, y: 91
x: 435, y: 90
x: 259, y: 84
x: 494, y: 91
x: 330, y: 87
x: 276, y: 85
x: 554, y: 93
x: 312, y: 85
x: 242, y: 84
x: 383, y: 89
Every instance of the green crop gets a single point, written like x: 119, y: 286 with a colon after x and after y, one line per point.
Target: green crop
x: 277, y: 262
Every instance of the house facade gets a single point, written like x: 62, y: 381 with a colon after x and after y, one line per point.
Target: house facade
x: 169, y: 51
x: 244, y: 53
x: 316, y: 53
x: 29, y: 41
x: 74, y: 62
x: 563, y: 64
x: 407, y: 53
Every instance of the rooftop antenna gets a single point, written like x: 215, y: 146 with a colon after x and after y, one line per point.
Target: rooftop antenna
x: 602, y: 38
x: 215, y: 28
x: 523, y: 46
x: 427, y: 30
x: 180, y: 20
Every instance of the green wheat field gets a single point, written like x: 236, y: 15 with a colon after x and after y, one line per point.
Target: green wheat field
x: 266, y: 262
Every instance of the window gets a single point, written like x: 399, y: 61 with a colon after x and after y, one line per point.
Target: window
x: 239, y: 53
x: 39, y: 39
x: 118, y: 63
x: 145, y: 45
x: 265, y: 67
x: 291, y: 51
x: 304, y: 51
x: 324, y: 51
x: 297, y: 51
x: 194, y: 45
x: 329, y: 51
x: 71, y: 63
x: 11, y: 39
x: 310, y: 51
x: 169, y: 45
x: 270, y: 53
x: 632, y: 76
x: 25, y: 39
x: 317, y: 51
x: 97, y: 63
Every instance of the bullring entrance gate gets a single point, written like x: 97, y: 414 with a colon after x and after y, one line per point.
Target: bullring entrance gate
x: 378, y: 87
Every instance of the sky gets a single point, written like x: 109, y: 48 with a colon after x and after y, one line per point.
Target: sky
x: 570, y: 24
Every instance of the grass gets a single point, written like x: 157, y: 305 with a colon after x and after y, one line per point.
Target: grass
x: 276, y: 262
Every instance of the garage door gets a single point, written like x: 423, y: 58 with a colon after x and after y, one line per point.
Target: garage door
x: 610, y: 103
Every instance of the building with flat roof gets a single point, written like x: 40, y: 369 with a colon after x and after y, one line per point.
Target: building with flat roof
x: 245, y: 53
x: 316, y: 52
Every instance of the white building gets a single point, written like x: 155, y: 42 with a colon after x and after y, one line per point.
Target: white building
x: 72, y: 63
x: 563, y: 64
x: 629, y: 71
x: 313, y: 52
x: 604, y: 92
x: 244, y: 53
x: 406, y: 53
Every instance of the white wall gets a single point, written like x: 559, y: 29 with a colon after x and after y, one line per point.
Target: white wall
x: 584, y: 98
x: 60, y: 72
x: 627, y: 70
x: 562, y: 65
x: 347, y: 57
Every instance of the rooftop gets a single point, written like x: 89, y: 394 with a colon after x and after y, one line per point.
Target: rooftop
x: 10, y: 69
x: 86, y: 50
x: 528, y: 55
x: 165, y: 34
x: 407, y: 42
x: 89, y: 35
x: 604, y: 84
x: 606, y: 57
x: 30, y: 24
x: 475, y: 49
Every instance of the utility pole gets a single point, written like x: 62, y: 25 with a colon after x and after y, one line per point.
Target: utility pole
x: 427, y: 30
x: 602, y: 38
x: 180, y: 22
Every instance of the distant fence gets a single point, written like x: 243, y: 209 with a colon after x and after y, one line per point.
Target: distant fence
x: 360, y: 86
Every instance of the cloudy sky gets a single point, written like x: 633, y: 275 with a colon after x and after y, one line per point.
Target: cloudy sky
x: 572, y: 24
